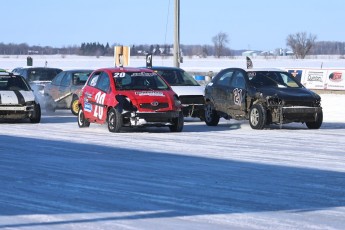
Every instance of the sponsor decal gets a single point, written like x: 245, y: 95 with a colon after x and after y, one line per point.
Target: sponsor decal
x: 94, y: 81
x: 315, y: 76
x: 335, y: 77
x: 87, y: 107
x: 237, y: 96
x: 150, y: 93
x: 88, y: 95
x: 143, y: 74
x: 296, y: 74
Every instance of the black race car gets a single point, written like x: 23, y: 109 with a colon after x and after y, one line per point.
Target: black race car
x: 263, y: 96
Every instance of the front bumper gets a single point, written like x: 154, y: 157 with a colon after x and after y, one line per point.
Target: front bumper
x: 295, y: 114
x: 16, y: 112
x: 151, y: 119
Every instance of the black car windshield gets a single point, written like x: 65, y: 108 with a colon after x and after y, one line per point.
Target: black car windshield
x: 178, y: 78
x: 13, y: 83
x: 43, y: 74
x: 139, y: 81
x: 273, y: 79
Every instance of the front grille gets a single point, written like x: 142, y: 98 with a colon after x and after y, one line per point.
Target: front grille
x: 192, y: 99
x: 299, y: 103
x: 149, y: 106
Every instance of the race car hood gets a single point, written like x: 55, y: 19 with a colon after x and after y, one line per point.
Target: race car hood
x: 289, y: 94
x: 189, y: 90
x: 16, y: 97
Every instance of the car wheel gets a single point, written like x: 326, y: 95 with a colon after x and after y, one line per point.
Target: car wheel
x: 50, y: 105
x: 211, y: 116
x: 178, y: 123
x: 316, y: 124
x: 36, y: 114
x: 257, y: 117
x: 115, y: 120
x: 74, y: 105
x: 82, y: 122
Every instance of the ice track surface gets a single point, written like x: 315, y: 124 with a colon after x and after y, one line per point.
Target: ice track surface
x: 54, y: 175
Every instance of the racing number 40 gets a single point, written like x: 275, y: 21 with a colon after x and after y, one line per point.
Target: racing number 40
x: 99, y: 98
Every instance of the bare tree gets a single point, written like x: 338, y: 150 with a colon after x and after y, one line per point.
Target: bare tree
x: 301, y: 43
x: 220, y: 41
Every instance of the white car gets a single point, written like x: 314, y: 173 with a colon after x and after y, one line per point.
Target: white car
x: 17, y: 100
x: 37, y: 77
x: 189, y: 91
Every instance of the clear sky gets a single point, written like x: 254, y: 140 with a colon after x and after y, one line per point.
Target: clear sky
x: 251, y: 24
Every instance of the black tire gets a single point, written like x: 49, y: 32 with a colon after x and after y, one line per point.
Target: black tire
x: 257, y: 116
x: 211, y: 116
x: 178, y: 123
x: 74, y: 105
x: 82, y: 122
x: 50, y: 105
x: 316, y: 124
x: 36, y: 114
x: 115, y: 120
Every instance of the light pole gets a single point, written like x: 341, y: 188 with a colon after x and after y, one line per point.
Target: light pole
x: 177, y: 34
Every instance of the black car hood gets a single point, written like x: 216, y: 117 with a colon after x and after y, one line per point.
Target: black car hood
x: 290, y: 94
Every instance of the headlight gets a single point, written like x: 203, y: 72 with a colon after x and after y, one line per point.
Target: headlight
x: 177, y: 101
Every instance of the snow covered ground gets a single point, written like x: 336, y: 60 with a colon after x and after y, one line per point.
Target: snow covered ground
x: 54, y: 175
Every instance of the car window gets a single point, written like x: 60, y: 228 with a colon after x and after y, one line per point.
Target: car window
x: 13, y: 83
x: 170, y: 76
x: 43, y: 74
x: 178, y: 77
x: 238, y: 80
x: 139, y: 81
x: 103, y: 82
x: 58, y: 78
x: 93, y: 79
x: 20, y: 71
x: 272, y: 78
x: 224, y: 80
x: 79, y: 78
x: 66, y: 80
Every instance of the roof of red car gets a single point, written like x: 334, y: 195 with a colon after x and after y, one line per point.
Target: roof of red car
x: 125, y: 69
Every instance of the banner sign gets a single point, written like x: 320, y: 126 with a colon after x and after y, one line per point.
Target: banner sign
x: 335, y: 80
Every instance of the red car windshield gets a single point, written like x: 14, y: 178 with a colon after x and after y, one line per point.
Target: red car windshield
x: 139, y: 81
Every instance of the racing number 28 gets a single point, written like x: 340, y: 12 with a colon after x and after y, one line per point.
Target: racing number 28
x: 99, y: 98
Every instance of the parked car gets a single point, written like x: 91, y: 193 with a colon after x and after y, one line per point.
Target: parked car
x: 64, y: 90
x: 190, y: 92
x: 129, y: 97
x: 263, y: 96
x: 37, y: 77
x: 17, y: 100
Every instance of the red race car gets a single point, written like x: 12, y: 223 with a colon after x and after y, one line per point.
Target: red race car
x: 129, y: 97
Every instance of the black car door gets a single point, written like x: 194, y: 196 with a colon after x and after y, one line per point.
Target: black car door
x: 236, y: 101
x: 221, y: 90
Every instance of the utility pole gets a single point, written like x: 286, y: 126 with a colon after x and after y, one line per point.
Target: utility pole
x: 177, y: 34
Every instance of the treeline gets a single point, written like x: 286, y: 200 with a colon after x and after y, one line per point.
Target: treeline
x: 97, y: 49
x: 328, y: 48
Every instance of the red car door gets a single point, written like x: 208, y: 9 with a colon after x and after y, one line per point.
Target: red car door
x: 97, y: 97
